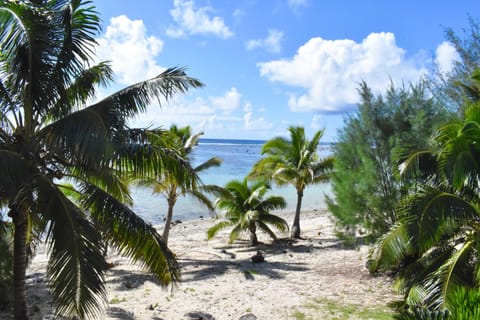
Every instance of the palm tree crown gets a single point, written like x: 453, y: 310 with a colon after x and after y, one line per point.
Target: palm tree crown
x: 246, y: 209
x: 167, y: 184
x: 295, y: 162
x: 63, y: 162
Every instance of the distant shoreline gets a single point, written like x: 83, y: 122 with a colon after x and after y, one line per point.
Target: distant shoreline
x: 244, y: 141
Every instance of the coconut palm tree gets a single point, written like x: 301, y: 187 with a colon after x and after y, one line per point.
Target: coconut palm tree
x: 246, y: 209
x: 63, y: 162
x: 167, y: 184
x: 435, y: 246
x: 294, y: 162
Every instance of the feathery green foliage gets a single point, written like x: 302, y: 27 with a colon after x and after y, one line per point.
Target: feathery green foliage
x: 247, y: 209
x: 293, y: 162
x: 64, y: 163
x: 365, y: 180
x: 449, y: 86
x: 465, y: 304
x: 437, y: 252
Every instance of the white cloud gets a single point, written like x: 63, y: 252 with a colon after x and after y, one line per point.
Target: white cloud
x: 296, y: 3
x: 252, y: 123
x: 217, y: 116
x: 130, y: 50
x: 271, y: 43
x: 318, y: 122
x: 446, y: 55
x: 330, y: 71
x: 228, y: 102
x: 191, y: 20
x: 200, y: 113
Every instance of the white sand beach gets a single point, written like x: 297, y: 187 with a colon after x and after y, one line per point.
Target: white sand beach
x: 219, y: 281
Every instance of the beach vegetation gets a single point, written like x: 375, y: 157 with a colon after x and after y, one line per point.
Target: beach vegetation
x: 182, y: 141
x: 448, y: 87
x: 294, y: 162
x: 64, y: 159
x: 366, y: 184
x: 335, y: 310
x: 247, y: 208
x: 433, y: 247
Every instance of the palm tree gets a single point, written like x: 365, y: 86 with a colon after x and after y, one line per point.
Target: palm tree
x: 246, y: 210
x: 167, y: 184
x: 295, y: 162
x: 435, y: 245
x: 63, y: 163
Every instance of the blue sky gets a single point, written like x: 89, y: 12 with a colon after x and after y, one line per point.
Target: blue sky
x: 268, y: 64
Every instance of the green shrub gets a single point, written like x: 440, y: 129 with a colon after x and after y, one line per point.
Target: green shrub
x: 422, y: 313
x: 465, y: 304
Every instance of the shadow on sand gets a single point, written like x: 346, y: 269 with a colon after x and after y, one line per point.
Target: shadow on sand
x: 225, y: 261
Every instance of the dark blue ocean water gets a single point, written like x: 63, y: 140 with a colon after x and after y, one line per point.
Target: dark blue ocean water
x: 238, y: 158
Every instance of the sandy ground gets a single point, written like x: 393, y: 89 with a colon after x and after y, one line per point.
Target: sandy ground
x: 219, y: 281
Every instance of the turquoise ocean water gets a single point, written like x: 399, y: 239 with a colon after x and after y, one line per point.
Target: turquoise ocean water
x: 238, y: 158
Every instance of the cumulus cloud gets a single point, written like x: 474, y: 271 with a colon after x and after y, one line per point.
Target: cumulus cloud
x: 228, y: 102
x: 214, y: 115
x: 271, y: 43
x: 254, y: 123
x: 197, y: 112
x: 446, y: 55
x: 328, y: 71
x: 191, y: 20
x: 130, y: 50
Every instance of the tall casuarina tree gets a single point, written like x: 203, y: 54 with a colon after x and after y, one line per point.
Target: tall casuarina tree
x: 294, y: 161
x: 63, y: 162
x: 434, y: 247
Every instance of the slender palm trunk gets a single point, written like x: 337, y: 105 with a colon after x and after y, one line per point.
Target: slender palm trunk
x: 168, y: 221
x: 295, y: 232
x: 20, y: 307
x: 253, y: 235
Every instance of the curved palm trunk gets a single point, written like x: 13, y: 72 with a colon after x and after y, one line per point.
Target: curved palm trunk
x: 20, y: 307
x: 168, y: 221
x: 253, y: 235
x: 295, y: 232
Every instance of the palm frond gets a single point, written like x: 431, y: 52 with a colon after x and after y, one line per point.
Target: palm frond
x: 264, y: 227
x: 79, y: 24
x: 390, y: 250
x: 454, y: 273
x: 435, y: 214
x: 419, y: 164
x: 235, y: 233
x: 273, y: 203
x: 81, y: 90
x: 143, y: 160
x: 76, y: 264
x: 215, y: 229
x: 210, y: 163
x: 14, y: 172
x: 81, y: 137
x: 130, y: 234
x: 200, y: 196
x: 106, y: 179
x: 276, y: 221
x: 134, y: 99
